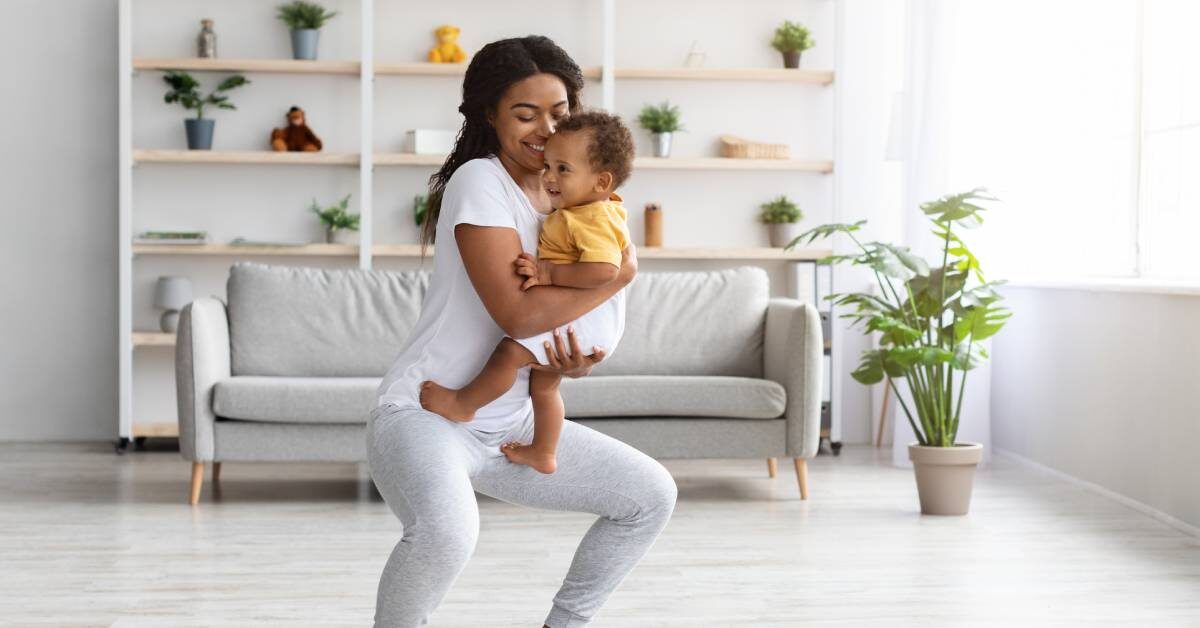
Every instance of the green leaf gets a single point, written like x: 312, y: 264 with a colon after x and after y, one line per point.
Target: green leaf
x: 927, y: 291
x: 826, y: 230
x: 980, y: 322
x: 913, y: 262
x: 894, y: 331
x: 874, y: 364
x: 968, y: 356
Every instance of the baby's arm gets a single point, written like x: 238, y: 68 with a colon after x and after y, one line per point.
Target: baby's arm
x: 571, y: 275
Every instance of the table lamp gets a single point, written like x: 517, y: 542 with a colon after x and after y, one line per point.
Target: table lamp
x: 171, y: 294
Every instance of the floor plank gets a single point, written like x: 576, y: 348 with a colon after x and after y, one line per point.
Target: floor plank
x: 95, y: 539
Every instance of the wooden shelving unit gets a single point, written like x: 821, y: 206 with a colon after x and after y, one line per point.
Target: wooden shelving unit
x: 409, y: 159
x: 149, y: 156
x: 383, y: 68
x: 365, y: 70
x: 414, y: 251
x: 276, y: 66
x: 308, y: 250
x: 153, y: 339
x: 773, y: 75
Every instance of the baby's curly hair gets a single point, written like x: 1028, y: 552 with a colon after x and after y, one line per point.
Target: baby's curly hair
x: 610, y: 144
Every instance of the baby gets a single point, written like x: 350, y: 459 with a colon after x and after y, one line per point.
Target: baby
x: 588, y: 157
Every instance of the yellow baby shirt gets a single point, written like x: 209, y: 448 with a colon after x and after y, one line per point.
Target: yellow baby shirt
x: 595, y: 232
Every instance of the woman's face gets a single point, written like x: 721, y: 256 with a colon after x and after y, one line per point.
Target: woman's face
x: 526, y: 117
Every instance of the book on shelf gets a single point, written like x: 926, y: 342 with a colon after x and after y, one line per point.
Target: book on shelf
x: 171, y: 237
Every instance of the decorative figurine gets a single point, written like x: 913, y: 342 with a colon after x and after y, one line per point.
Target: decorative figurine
x: 206, y: 42
x: 447, y: 49
x: 296, y: 136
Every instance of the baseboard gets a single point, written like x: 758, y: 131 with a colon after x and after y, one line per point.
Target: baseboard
x: 1129, y: 502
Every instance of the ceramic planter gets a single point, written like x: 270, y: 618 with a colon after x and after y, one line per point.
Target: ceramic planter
x: 945, y: 476
x: 791, y: 59
x: 782, y: 233
x: 199, y: 133
x: 304, y: 43
x: 662, y: 144
x: 340, y: 236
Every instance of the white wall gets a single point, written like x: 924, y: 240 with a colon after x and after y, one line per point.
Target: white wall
x: 1101, y: 385
x: 58, y: 366
x: 64, y: 168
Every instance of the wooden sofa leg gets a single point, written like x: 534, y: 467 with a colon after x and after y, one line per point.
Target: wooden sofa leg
x: 771, y: 469
x: 197, y: 481
x: 802, y: 476
x: 216, y: 472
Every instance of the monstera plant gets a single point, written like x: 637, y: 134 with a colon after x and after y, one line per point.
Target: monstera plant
x: 931, y: 321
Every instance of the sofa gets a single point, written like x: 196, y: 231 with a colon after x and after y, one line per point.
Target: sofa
x: 710, y: 366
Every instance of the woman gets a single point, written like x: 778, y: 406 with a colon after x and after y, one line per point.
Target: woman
x: 486, y: 205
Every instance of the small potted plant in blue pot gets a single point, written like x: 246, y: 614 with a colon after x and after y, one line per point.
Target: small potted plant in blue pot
x: 185, y: 90
x: 304, y: 19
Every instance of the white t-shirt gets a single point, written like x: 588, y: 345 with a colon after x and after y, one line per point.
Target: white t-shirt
x: 455, y: 335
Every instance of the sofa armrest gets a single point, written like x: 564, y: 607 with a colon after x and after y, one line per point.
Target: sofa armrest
x: 201, y: 360
x: 793, y: 357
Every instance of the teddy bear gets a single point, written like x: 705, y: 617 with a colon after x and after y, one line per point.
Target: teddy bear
x: 296, y: 136
x: 447, y: 49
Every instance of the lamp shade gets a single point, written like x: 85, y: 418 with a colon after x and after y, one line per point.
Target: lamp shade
x: 172, y: 293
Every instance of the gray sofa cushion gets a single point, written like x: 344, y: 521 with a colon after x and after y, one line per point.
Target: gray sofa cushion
x: 673, y: 395
x: 350, y: 399
x: 295, y: 399
x: 693, y: 323
x: 316, y: 322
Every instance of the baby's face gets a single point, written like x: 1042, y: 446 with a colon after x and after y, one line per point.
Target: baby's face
x: 569, y: 178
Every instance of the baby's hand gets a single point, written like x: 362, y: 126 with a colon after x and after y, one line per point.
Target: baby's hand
x: 537, y: 271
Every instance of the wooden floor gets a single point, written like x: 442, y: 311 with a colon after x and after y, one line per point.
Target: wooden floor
x: 94, y: 539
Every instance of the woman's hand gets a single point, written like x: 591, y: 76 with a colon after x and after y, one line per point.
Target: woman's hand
x: 574, y: 365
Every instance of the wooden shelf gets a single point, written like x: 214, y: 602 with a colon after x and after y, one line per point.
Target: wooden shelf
x: 407, y: 159
x: 156, y: 429
x: 311, y: 250
x: 725, y: 163
x: 244, y: 157
x: 778, y: 75
x: 747, y: 253
x: 421, y: 68
x: 279, y: 66
x: 649, y: 163
x: 414, y: 250
x: 153, y: 339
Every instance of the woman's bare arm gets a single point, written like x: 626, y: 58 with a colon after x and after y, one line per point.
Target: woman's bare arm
x: 489, y: 255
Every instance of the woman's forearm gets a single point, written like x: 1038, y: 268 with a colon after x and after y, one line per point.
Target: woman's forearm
x: 525, y: 313
x: 544, y: 308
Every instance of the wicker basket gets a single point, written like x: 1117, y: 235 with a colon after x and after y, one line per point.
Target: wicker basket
x: 738, y: 148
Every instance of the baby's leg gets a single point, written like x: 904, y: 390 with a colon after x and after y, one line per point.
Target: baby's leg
x: 497, y: 376
x: 548, y: 417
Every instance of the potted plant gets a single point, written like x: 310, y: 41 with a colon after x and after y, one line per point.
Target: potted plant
x: 791, y: 39
x: 931, y: 322
x: 661, y: 120
x: 336, y: 219
x: 304, y: 19
x: 186, y: 91
x: 780, y: 216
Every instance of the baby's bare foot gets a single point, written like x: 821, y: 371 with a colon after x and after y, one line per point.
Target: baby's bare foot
x: 541, y: 461
x: 444, y: 401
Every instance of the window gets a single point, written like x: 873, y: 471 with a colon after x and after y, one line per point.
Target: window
x: 1084, y: 118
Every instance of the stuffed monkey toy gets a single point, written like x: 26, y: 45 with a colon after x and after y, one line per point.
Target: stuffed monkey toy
x: 296, y: 136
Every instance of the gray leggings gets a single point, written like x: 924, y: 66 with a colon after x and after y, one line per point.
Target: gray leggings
x: 427, y: 469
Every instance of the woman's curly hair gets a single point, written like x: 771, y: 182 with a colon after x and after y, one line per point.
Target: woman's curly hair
x: 491, y: 72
